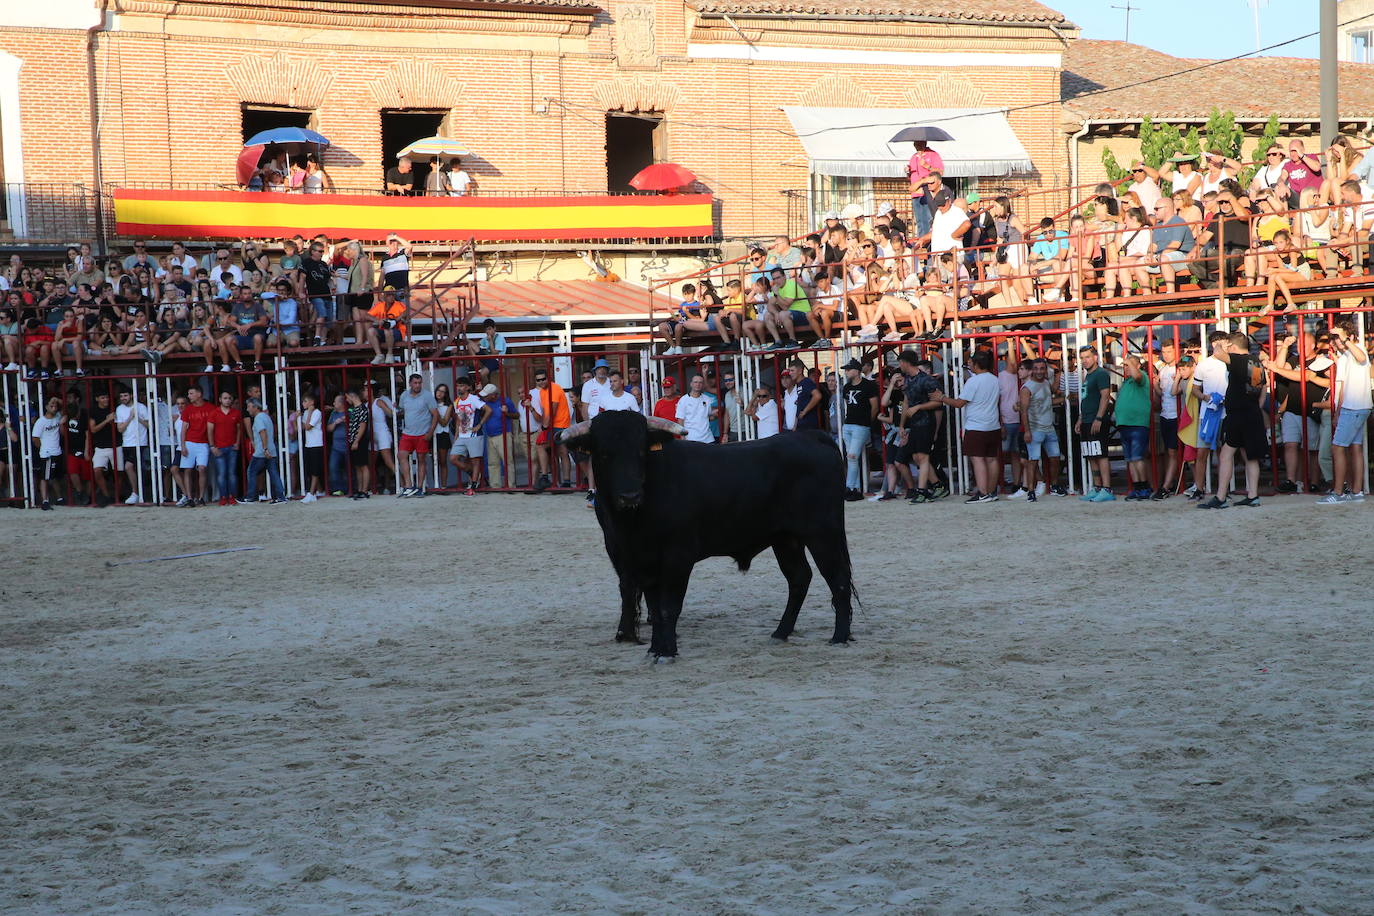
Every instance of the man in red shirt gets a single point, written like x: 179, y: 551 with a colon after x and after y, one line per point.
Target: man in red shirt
x: 195, y: 446
x: 225, y: 423
x: 665, y: 408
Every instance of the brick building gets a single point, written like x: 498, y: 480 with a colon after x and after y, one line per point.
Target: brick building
x: 550, y: 95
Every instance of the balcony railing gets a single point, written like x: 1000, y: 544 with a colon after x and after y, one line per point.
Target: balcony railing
x: 47, y: 213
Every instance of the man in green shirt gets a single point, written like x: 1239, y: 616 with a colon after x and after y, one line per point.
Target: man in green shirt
x: 1133, y: 419
x: 788, y: 308
x: 1094, y: 427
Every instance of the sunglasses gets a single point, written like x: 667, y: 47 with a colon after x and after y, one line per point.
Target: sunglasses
x: 1273, y: 155
x: 538, y: 380
x: 1138, y: 171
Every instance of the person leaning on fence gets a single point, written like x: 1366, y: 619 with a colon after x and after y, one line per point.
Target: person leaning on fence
x: 982, y: 425
x: 359, y: 445
x: 1132, y: 415
x: 1243, y: 428
x: 500, y: 429
x: 1301, y: 388
x: 1036, y: 412
x: 47, y: 447
x: 337, y: 429
x: 860, y: 407
x: 1094, y: 427
x: 419, y: 415
x: 265, y: 456
x: 1351, y: 404
x: 549, y: 404
x: 469, y: 439
x: 1209, y: 382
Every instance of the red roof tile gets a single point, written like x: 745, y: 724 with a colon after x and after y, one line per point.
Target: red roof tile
x: 1026, y: 11
x: 1255, y: 87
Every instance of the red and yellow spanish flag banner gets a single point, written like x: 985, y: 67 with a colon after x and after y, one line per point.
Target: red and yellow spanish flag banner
x: 254, y: 214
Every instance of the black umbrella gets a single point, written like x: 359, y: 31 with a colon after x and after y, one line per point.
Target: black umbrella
x: 920, y: 132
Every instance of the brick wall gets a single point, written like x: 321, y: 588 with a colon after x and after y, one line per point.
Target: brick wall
x: 169, y: 105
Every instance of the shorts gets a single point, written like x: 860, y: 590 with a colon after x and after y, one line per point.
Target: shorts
x: 102, y: 458
x: 1135, y: 442
x: 323, y: 307
x: 920, y: 440
x: 168, y: 456
x: 543, y: 437
x: 381, y: 438
x: 469, y: 446
x: 51, y: 468
x: 443, y: 441
x: 245, y: 341
x: 1094, y: 446
x: 491, y: 365
x: 1172, y: 256
x: 711, y: 323
x: 1043, y: 440
x: 130, y: 455
x: 1168, y: 432
x: 982, y: 443
x: 1011, y: 437
x: 1350, y: 427
x: 1291, y: 429
x: 799, y: 319
x: 314, y: 461
x: 79, y: 467
x: 361, y: 456
x: 417, y: 444
x: 197, y: 455
x: 1244, y: 429
x: 388, y: 335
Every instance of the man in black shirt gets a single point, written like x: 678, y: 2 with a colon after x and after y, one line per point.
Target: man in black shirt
x: 78, y: 462
x: 318, y: 278
x: 400, y: 178
x: 860, y: 405
x: 1242, y: 428
x: 102, y: 436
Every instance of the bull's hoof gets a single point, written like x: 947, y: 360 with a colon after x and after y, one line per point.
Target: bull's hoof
x: 841, y: 641
x: 664, y: 659
x: 629, y: 637
x: 780, y: 636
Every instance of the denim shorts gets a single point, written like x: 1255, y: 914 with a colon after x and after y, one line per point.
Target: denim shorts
x: 324, y: 307
x: 1046, y: 439
x: 1011, y: 437
x: 1350, y: 428
x: 1135, y: 442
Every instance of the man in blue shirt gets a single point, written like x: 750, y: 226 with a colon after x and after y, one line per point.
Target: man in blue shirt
x: 1171, y: 240
x: 1049, y: 257
x: 808, y: 398
x: 500, y: 428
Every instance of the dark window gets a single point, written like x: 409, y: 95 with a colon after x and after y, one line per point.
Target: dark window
x: 633, y: 141
x: 257, y: 118
x: 402, y: 127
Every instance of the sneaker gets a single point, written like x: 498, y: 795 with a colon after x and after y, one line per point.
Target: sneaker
x: 673, y: 351
x: 892, y: 338
x: 211, y: 368
x: 366, y: 495
x: 403, y: 493
x: 44, y: 375
x: 1285, y: 487
x: 336, y: 492
x: 262, y: 498
x: 81, y: 373
x: 278, y: 500
x: 1251, y: 501
x: 1213, y: 503
x: 1161, y: 494
x: 1104, y: 496
x: 988, y: 498
x: 877, y: 497
x: 1059, y: 490
x: 1031, y: 497
x: 1355, y: 497
x: 238, y: 367
x: 1089, y: 495
x: 319, y: 342
x: 469, y: 492
x: 134, y: 499
x: 974, y: 497
x: 418, y: 494
x: 887, y: 497
x: 1144, y: 493
x: 565, y: 484
x: 939, y: 492
x: 309, y: 498
x: 31, y: 374
x: 918, y: 496
x: 1331, y: 499
x: 226, y: 368
x: 542, y: 484
x: 379, y: 360
x: 11, y: 367
x: 181, y: 503
x: 1039, y: 489
x: 46, y: 507
x: 820, y: 344
x: 850, y: 496
x: 1191, y: 492
x: 231, y: 501
x: 1133, y: 494
x: 1021, y: 493
x: 257, y: 367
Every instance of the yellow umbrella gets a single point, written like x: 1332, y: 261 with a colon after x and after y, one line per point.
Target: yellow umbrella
x: 433, y: 148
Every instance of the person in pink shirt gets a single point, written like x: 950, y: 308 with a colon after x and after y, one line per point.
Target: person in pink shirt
x: 922, y: 162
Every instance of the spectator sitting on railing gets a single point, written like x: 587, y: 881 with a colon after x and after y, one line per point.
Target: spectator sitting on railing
x: 1049, y: 258
x: 826, y: 303
x: 1170, y: 244
x: 787, y: 310
x: 69, y: 339
x: 250, y: 329
x: 11, y: 342
x: 688, y: 308
x: 169, y: 336
x: 490, y: 346
x: 1144, y: 186
x: 783, y: 255
x: 283, y: 311
x: 1282, y: 263
x: 38, y: 342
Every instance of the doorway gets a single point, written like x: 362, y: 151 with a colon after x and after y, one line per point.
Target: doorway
x: 402, y: 127
x: 633, y: 141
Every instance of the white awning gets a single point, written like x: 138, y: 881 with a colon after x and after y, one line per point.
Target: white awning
x: 853, y: 141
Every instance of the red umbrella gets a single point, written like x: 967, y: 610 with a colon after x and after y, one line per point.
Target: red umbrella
x: 662, y: 176
x: 248, y: 161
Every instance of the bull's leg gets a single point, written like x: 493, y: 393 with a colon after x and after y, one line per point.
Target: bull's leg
x: 672, y: 590
x: 653, y: 604
x: 832, y: 560
x: 628, y: 630
x: 792, y: 561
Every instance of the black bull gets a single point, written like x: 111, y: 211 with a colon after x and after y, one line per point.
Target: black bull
x: 665, y: 504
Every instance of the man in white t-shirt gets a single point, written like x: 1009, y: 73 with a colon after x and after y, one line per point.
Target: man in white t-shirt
x: 1209, y: 378
x: 47, y: 445
x: 947, y: 225
x: 312, y: 427
x: 132, y: 419
x: 982, y: 425
x: 592, y: 402
x: 619, y: 398
x: 469, y: 444
x: 695, y: 411
x: 1351, y: 400
x: 379, y: 430
x: 1145, y: 185
x: 764, y: 409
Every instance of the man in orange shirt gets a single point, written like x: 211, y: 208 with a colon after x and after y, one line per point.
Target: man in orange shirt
x: 550, y: 404
x: 386, y: 329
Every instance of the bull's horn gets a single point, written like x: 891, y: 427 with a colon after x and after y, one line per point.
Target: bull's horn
x: 665, y: 425
x: 577, y: 429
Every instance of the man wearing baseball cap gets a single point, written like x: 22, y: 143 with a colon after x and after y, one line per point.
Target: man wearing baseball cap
x: 594, y: 392
x: 500, y: 428
x: 665, y: 408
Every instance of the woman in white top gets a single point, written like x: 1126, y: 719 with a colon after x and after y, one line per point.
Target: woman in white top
x: 1219, y: 168
x: 1271, y: 173
x: 1135, y: 245
x: 315, y: 178
x: 1182, y: 171
x: 1314, y: 232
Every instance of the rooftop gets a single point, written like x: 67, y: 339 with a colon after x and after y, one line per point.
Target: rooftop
x: 1254, y: 87
x: 1025, y: 12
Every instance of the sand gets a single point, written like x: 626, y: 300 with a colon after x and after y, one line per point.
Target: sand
x: 418, y: 707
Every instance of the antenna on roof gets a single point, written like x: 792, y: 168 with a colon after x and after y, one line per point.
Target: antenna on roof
x: 1255, y: 16
x: 1128, y: 8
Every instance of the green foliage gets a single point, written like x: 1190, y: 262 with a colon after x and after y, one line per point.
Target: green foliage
x: 1160, y: 141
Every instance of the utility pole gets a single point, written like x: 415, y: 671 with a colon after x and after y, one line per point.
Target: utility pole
x: 1330, y: 115
x: 1128, y: 8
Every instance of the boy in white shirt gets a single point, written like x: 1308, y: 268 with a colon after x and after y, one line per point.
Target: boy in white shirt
x: 1351, y: 400
x: 695, y: 412
x: 47, y: 445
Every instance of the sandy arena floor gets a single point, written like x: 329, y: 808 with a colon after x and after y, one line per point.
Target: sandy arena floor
x: 417, y: 707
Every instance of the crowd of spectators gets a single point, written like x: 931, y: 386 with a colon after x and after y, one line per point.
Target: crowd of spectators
x: 230, y: 305
x: 1301, y: 216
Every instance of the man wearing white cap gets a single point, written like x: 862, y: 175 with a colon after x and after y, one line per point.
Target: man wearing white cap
x: 500, y: 428
x: 594, y: 392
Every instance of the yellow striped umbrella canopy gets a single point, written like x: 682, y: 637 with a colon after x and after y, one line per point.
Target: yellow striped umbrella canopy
x: 432, y: 147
